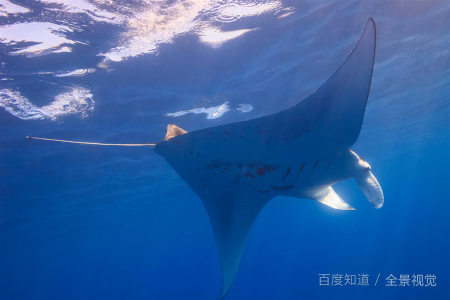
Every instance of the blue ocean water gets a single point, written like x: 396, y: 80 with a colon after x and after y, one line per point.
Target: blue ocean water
x: 92, y: 222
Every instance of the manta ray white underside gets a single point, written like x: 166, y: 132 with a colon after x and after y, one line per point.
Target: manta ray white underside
x: 300, y: 152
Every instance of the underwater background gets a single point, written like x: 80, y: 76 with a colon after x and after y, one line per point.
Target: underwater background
x: 93, y: 222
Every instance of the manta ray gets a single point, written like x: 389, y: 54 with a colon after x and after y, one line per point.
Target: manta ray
x: 237, y: 168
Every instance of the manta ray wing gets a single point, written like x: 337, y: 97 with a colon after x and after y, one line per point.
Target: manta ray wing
x: 232, y: 205
x: 324, y: 124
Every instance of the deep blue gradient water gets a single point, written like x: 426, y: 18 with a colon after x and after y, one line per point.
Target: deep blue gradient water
x: 92, y: 222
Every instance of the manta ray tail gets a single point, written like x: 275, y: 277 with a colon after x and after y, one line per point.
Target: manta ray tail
x: 172, y: 131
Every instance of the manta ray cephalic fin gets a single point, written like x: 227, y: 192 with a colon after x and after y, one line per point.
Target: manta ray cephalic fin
x: 369, y: 185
